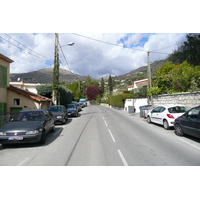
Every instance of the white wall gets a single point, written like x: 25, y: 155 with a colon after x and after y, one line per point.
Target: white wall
x: 136, y: 102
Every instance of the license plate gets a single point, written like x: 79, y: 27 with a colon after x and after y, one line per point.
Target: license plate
x: 15, y: 138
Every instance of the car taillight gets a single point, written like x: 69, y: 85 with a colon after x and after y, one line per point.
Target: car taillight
x: 170, y: 116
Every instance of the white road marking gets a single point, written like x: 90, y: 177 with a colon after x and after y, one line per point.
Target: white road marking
x: 105, y: 121
x: 122, y: 158
x: 21, y: 163
x: 189, y: 143
x: 111, y: 135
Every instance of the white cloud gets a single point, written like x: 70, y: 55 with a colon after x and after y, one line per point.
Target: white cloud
x: 87, y: 56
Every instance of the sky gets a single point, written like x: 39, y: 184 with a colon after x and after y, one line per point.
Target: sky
x: 93, y: 54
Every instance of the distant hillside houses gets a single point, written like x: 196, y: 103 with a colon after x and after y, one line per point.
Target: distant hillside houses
x: 31, y: 87
x: 138, y: 84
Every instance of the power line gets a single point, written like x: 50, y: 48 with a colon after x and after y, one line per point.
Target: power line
x: 30, y: 50
x: 136, y: 49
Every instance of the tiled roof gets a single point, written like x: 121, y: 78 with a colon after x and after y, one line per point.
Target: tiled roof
x: 130, y: 86
x: 29, y: 94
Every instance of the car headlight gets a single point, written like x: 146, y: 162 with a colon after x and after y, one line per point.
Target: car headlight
x: 32, y: 132
x: 2, y: 133
x: 59, y: 117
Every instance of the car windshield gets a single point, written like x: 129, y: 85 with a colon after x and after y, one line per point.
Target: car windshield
x: 30, y: 116
x: 177, y: 109
x: 70, y: 106
x: 56, y: 109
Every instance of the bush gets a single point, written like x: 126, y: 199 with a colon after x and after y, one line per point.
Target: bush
x: 64, y: 94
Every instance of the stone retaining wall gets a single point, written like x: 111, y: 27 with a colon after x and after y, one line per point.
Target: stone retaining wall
x: 188, y: 99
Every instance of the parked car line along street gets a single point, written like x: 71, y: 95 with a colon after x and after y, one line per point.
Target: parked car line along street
x: 104, y: 136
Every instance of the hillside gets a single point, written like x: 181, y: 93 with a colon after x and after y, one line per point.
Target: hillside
x: 44, y: 76
x: 143, y: 70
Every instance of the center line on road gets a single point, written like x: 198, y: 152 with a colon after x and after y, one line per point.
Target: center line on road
x: 122, y: 158
x: 111, y: 135
x: 105, y: 121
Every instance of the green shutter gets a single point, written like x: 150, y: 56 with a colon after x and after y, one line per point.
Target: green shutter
x: 2, y: 107
x: 3, y: 76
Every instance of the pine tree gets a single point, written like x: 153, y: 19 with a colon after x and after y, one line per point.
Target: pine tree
x: 110, y: 84
x: 102, y: 85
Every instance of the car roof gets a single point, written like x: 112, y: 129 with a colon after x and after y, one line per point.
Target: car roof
x: 56, y: 106
x: 33, y: 110
x: 171, y: 105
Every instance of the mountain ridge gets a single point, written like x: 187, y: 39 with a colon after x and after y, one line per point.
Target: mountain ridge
x: 44, y: 76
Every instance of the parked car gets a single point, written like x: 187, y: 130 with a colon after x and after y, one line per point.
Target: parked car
x: 188, y: 123
x: 83, y: 101
x: 165, y: 114
x: 72, y: 110
x: 29, y: 126
x: 60, y: 113
x: 79, y: 106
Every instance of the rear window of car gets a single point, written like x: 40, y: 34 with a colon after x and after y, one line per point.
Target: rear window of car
x: 30, y: 116
x: 70, y: 106
x: 56, y: 109
x: 177, y: 109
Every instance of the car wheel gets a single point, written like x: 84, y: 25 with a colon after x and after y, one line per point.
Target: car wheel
x: 64, y: 121
x: 178, y: 130
x: 4, y: 144
x: 43, y: 137
x: 148, y: 119
x: 166, y: 124
x: 53, y: 128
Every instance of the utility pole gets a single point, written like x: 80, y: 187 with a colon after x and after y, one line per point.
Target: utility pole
x: 56, y: 72
x: 149, y: 86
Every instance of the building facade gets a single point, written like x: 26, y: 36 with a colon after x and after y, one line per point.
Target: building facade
x: 13, y: 98
x: 4, y: 81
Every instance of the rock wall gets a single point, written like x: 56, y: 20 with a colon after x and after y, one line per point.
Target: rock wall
x: 188, y: 99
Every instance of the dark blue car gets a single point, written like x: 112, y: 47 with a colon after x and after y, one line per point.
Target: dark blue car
x: 188, y: 123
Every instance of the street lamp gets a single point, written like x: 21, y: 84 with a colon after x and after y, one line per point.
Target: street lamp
x: 55, y: 83
x: 69, y: 44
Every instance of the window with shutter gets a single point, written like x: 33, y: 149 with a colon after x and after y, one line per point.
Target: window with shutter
x: 2, y: 107
x: 3, y: 76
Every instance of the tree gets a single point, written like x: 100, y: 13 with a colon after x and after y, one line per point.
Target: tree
x: 172, y: 78
x: 74, y: 87
x: 102, y: 85
x: 92, y: 92
x: 189, y: 51
x: 94, y: 83
x: 110, y: 84
x: 64, y: 95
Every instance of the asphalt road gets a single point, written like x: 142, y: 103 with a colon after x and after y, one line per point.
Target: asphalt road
x: 102, y: 136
